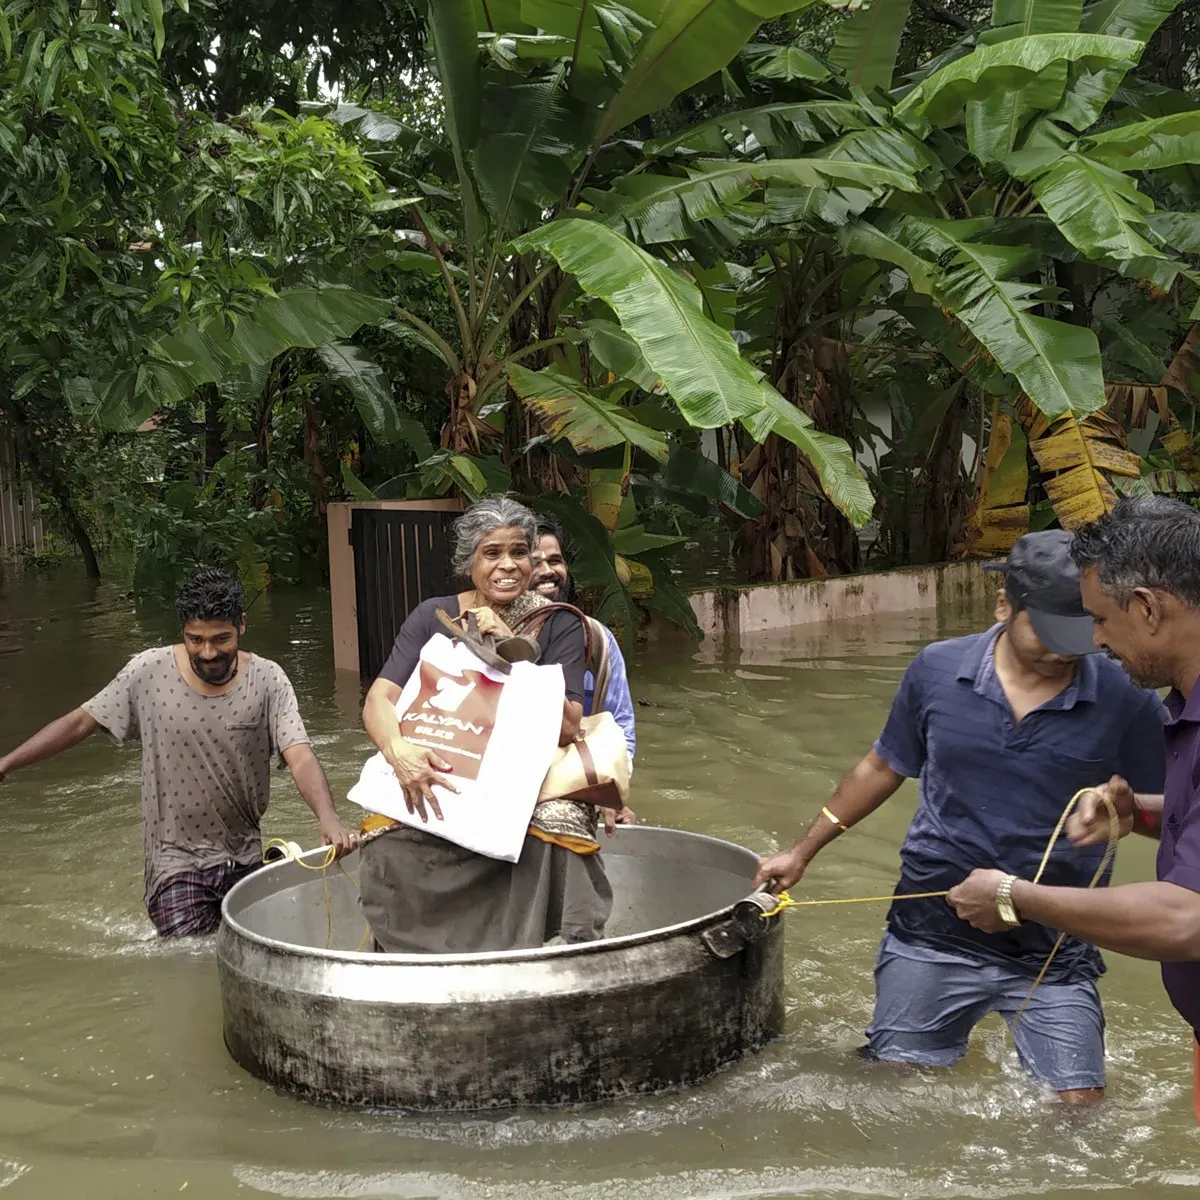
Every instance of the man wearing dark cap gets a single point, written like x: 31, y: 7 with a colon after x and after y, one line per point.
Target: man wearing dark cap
x: 1001, y: 729
x: 1141, y: 581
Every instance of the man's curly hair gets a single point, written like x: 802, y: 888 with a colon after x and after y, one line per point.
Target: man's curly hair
x: 211, y: 595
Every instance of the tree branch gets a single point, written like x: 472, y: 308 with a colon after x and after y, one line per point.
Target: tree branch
x: 944, y: 16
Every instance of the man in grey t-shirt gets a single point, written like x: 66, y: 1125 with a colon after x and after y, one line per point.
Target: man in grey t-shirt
x: 210, y: 717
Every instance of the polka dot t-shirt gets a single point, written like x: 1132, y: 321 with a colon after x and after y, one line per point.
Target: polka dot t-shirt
x: 206, y: 760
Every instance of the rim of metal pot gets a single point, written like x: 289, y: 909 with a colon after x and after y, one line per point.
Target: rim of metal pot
x: 694, y: 924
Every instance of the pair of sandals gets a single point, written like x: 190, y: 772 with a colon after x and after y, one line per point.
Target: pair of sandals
x: 499, y: 653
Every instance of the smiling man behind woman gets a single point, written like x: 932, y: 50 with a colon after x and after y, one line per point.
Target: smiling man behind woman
x: 209, y: 717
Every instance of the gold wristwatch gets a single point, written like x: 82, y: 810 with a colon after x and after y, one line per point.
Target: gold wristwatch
x: 1004, y: 901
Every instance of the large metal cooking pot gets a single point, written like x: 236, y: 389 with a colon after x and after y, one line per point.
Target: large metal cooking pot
x: 689, y: 980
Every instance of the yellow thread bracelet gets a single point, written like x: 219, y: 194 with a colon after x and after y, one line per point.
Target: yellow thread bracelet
x: 836, y: 820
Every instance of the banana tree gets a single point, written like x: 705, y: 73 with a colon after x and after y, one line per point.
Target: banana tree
x: 1051, y: 187
x: 563, y: 318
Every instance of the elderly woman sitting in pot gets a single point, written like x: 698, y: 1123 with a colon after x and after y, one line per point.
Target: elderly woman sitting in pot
x: 421, y: 893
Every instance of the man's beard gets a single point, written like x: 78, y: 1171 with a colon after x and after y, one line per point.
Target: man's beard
x: 215, y: 670
x: 562, y: 588
x: 1141, y: 674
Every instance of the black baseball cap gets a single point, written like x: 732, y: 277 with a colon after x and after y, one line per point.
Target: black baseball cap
x: 1042, y: 578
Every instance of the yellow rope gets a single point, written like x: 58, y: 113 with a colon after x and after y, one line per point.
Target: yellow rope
x: 293, y: 852
x: 1114, y: 834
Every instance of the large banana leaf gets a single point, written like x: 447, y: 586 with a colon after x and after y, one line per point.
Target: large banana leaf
x: 663, y: 208
x: 452, y: 35
x: 1149, y: 145
x: 452, y: 26
x: 895, y: 149
x: 593, y: 564
x: 830, y: 457
x: 1076, y: 455
x: 365, y: 381
x: 1003, y: 67
x: 1099, y: 210
x: 1180, y: 230
x: 1000, y: 513
x: 1090, y: 89
x: 588, y: 421
x: 783, y: 63
x: 619, y: 354
x: 1057, y: 364
x: 749, y: 129
x: 691, y: 40
x: 534, y: 135
x: 697, y: 360
x: 592, y: 27
x: 993, y: 124
x: 694, y: 473
x: 670, y: 600
x: 866, y: 43
x: 904, y: 243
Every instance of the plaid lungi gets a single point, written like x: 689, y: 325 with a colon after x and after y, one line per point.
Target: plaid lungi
x: 189, y: 904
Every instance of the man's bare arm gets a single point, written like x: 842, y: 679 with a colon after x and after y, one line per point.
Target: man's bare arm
x: 862, y: 790
x: 314, y: 789
x: 52, y: 739
x: 1157, y: 921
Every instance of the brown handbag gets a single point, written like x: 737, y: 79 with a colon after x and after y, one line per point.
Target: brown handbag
x: 594, y: 768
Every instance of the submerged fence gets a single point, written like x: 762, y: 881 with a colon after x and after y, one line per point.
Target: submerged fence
x: 20, y: 521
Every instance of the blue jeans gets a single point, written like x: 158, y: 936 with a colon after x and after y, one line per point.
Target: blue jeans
x: 928, y: 1001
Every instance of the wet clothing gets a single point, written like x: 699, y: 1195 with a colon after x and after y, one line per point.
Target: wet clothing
x: 189, y: 904
x: 992, y: 789
x: 928, y: 1001
x: 1179, y: 843
x: 206, y: 760
x: 424, y: 895
x: 616, y: 698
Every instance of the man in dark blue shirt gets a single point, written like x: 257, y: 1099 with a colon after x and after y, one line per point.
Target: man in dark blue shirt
x: 1001, y: 729
x: 1141, y: 582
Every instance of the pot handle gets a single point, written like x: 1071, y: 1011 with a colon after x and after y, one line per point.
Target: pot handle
x: 749, y: 921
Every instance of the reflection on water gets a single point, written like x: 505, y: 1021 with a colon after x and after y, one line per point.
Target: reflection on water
x: 114, y: 1081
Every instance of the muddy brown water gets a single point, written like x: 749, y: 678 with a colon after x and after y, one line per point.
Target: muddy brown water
x: 114, y: 1081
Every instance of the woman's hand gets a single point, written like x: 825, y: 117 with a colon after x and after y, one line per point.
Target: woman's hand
x: 417, y: 770
x: 489, y: 623
x: 613, y: 818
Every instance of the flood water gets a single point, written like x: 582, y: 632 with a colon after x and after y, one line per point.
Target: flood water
x: 114, y: 1081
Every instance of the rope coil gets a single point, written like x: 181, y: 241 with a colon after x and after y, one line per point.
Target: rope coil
x: 293, y: 853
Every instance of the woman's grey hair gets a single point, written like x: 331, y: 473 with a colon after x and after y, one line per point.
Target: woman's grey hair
x: 486, y: 516
x: 1145, y: 542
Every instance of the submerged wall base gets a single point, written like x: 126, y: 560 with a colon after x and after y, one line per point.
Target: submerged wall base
x: 731, y: 613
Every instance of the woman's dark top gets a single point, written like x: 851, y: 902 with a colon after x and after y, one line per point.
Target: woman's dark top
x: 561, y: 640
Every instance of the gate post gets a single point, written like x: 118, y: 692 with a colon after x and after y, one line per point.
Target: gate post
x: 343, y: 590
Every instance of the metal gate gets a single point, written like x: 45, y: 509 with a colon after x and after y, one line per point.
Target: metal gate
x: 400, y: 558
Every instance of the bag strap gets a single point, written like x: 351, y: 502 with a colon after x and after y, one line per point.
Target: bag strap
x: 602, y: 666
x: 537, y: 617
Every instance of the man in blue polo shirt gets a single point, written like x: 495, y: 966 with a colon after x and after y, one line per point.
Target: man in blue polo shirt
x: 1141, y: 582
x: 1001, y: 729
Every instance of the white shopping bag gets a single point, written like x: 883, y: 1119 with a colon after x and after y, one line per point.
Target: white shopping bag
x: 500, y: 734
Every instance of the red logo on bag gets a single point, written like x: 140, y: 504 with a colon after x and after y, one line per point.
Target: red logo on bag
x: 454, y: 715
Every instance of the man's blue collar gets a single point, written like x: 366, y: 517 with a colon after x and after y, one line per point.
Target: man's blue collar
x: 977, y: 670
